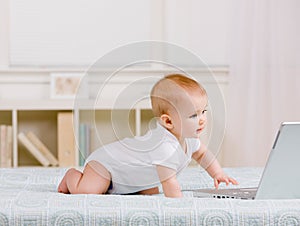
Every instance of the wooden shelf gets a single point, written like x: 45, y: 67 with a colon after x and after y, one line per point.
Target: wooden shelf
x: 36, y: 105
x: 40, y: 116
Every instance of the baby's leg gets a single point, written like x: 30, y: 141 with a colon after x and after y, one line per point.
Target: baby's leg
x: 95, y: 179
x: 150, y: 191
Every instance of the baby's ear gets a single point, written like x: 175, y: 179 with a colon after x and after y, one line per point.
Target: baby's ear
x: 166, y: 121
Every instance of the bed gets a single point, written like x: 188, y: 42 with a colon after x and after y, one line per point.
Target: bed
x: 28, y: 197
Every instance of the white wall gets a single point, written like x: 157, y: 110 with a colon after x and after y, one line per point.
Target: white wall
x: 198, y: 25
x: 201, y: 26
x: 4, y: 33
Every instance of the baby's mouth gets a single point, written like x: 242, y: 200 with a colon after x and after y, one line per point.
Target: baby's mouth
x: 199, y: 130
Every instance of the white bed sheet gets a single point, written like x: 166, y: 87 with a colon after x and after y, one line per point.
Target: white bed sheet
x: 28, y: 197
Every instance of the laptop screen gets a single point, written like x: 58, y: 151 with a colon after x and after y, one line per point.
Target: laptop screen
x: 280, y: 179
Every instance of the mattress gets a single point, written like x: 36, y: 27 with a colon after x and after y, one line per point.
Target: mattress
x: 28, y: 197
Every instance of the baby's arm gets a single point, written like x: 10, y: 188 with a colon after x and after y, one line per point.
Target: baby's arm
x: 209, y: 162
x: 169, y: 181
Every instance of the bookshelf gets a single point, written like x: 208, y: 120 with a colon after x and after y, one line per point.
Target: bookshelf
x: 40, y: 117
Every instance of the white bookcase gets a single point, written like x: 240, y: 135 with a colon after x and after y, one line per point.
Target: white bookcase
x: 41, y: 118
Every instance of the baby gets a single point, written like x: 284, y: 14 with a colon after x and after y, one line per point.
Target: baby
x: 139, y: 165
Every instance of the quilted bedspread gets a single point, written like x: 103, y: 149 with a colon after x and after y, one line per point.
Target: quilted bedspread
x: 28, y: 197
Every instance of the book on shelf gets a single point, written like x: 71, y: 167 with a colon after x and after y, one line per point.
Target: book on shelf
x: 84, y: 142
x: 6, y: 147
x: 66, y: 146
x: 9, y: 147
x: 33, y: 149
x: 42, y: 148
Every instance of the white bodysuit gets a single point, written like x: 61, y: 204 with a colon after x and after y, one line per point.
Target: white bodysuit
x: 132, y: 161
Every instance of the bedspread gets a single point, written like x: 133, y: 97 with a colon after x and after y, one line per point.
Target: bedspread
x: 28, y: 197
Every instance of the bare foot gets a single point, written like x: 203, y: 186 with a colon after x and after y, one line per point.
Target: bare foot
x: 62, y: 187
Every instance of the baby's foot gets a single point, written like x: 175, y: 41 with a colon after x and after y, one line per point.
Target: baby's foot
x: 62, y: 187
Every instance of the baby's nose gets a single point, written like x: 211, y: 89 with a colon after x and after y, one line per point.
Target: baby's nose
x: 201, y: 119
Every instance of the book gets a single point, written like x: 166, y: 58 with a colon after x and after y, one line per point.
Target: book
x: 42, y: 148
x: 84, y: 142
x: 2, y: 145
x: 6, y: 146
x: 66, y: 146
x: 33, y: 149
x: 9, y: 147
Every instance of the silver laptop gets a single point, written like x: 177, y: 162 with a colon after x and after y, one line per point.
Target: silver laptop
x: 281, y: 176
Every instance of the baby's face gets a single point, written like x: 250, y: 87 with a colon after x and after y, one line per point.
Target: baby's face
x: 190, y: 117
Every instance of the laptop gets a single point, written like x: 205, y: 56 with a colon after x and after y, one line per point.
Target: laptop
x: 281, y: 177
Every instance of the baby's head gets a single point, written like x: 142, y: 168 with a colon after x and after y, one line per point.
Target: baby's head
x: 169, y: 92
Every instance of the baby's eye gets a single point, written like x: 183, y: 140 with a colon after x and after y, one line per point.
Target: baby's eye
x: 194, y: 116
x: 204, y: 111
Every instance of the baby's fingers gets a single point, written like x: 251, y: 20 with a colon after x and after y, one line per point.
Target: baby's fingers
x: 233, y: 181
x: 216, y: 183
x: 226, y: 181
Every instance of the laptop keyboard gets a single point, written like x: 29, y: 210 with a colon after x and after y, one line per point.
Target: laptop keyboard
x: 239, y: 193
x: 235, y: 194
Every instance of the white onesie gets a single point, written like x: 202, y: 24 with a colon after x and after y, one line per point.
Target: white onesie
x: 132, y: 161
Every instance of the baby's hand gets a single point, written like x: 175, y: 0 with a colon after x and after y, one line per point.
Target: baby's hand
x: 222, y: 177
